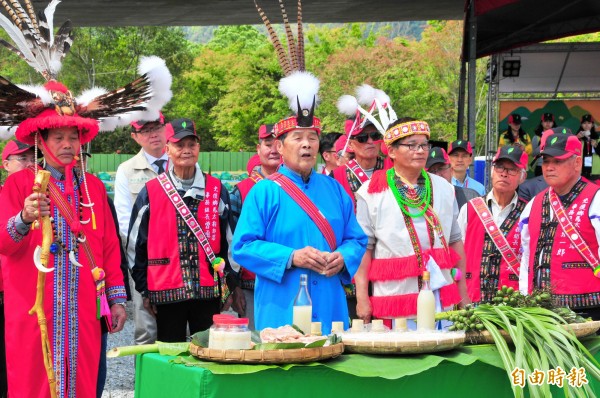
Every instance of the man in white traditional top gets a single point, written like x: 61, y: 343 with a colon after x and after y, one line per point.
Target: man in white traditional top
x: 490, y: 225
x: 409, y: 217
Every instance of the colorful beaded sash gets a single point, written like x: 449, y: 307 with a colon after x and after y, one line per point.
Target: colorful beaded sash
x: 572, y: 233
x: 485, y: 215
x: 196, y: 229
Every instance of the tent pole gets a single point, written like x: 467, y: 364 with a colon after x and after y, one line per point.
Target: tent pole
x: 491, y: 136
x: 460, y: 123
x: 472, y: 75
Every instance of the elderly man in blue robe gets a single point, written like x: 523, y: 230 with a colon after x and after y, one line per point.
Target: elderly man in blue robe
x: 299, y: 222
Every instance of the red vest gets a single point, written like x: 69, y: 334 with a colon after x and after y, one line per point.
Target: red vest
x: 339, y: 174
x: 244, y: 187
x: 475, y: 236
x: 164, y: 269
x: 569, y: 273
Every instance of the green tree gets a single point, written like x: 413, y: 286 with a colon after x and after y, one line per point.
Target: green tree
x: 232, y: 89
x: 108, y: 57
x: 238, y: 39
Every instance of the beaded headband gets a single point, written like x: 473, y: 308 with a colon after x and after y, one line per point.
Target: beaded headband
x: 405, y: 129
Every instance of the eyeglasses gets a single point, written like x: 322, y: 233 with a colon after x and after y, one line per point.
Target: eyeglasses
x: 148, y: 129
x: 415, y: 147
x: 23, y: 159
x: 510, y: 171
x: 364, y: 137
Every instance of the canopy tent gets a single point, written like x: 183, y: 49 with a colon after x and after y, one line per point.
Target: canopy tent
x: 506, y: 24
x: 550, y: 68
x: 498, y: 26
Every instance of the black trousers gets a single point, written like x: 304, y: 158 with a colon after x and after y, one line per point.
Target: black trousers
x: 172, y: 319
x: 351, y: 307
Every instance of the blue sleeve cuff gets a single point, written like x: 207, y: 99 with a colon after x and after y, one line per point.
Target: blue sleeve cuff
x: 289, y: 262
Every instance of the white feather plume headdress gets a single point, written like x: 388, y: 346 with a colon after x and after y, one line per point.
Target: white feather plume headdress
x: 376, y: 108
x: 35, y: 42
x: 300, y: 87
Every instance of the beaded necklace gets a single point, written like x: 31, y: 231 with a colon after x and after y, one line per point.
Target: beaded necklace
x: 57, y: 244
x: 410, y: 197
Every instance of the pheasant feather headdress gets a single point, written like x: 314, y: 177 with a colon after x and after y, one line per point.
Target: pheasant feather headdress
x: 52, y: 105
x: 299, y: 86
x: 376, y: 110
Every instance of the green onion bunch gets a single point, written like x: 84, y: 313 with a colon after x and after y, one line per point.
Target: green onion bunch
x: 540, y: 342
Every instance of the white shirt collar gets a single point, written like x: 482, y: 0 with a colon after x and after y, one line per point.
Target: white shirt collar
x: 511, y: 205
x: 151, y: 159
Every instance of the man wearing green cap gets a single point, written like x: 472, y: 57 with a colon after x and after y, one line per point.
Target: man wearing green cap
x: 491, y: 226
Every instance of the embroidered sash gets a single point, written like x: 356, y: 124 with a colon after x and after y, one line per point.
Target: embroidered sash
x: 572, y: 233
x: 307, y: 205
x: 102, y: 307
x: 193, y: 225
x: 358, y: 172
x: 485, y: 215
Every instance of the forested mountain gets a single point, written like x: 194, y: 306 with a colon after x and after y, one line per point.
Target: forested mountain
x: 408, y: 29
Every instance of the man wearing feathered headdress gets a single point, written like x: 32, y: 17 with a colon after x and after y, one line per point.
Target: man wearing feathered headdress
x: 66, y: 230
x: 364, y: 139
x: 298, y: 221
x: 365, y: 142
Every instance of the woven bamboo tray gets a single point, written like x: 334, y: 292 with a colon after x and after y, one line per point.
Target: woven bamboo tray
x: 580, y: 329
x: 297, y: 355
x: 428, y: 344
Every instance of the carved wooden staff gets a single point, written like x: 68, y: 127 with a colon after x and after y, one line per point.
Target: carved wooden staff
x: 40, y: 258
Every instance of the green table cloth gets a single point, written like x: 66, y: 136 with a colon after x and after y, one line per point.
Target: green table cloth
x: 471, y: 371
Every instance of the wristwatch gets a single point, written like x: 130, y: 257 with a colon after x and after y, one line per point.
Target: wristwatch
x: 124, y: 304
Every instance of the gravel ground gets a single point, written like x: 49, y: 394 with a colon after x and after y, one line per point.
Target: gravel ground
x: 120, y: 378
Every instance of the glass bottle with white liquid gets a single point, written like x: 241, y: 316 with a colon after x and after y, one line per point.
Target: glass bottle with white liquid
x: 302, y: 316
x: 425, y: 306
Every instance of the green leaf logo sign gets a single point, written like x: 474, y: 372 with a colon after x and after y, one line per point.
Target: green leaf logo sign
x: 553, y: 140
x: 510, y: 150
x: 459, y: 143
x: 433, y: 154
x: 183, y: 124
